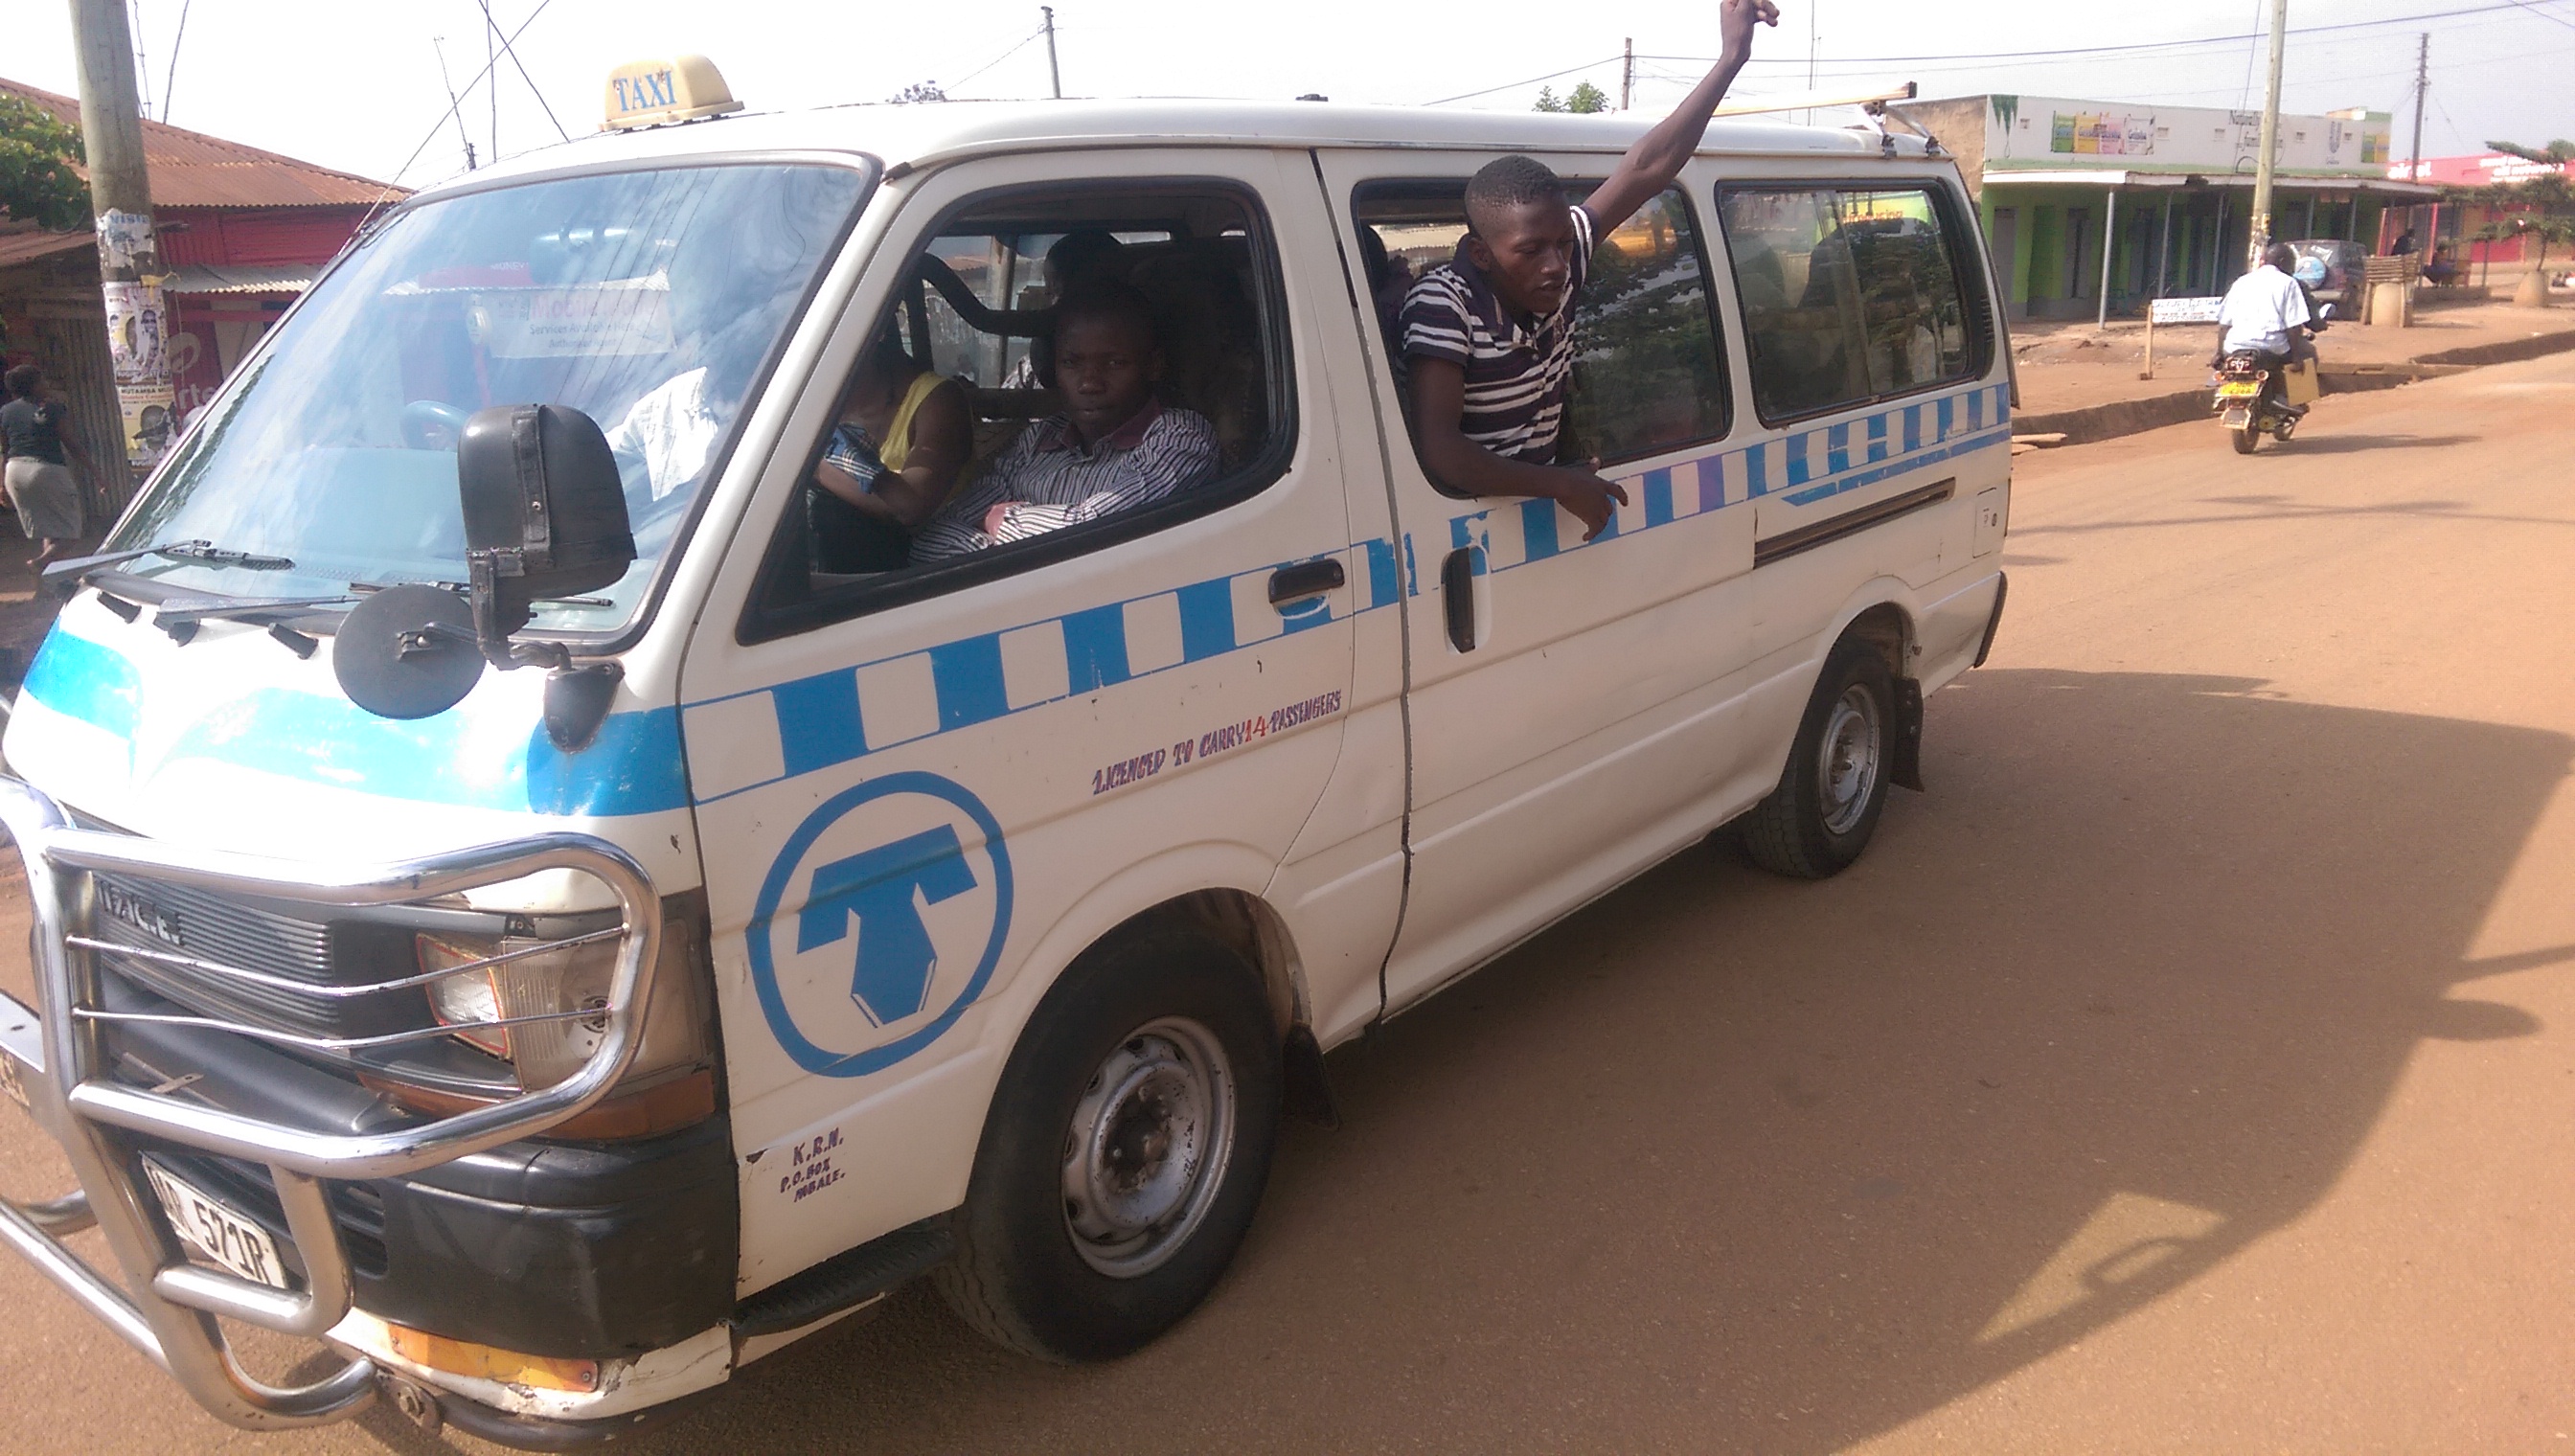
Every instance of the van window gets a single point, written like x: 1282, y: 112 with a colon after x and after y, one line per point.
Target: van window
x: 975, y: 315
x: 1847, y: 296
x: 1651, y: 374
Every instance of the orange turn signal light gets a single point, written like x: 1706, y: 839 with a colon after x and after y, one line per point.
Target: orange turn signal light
x: 482, y: 1363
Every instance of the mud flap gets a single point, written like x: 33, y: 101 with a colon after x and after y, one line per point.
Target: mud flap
x: 1904, y: 754
x: 1309, y: 1091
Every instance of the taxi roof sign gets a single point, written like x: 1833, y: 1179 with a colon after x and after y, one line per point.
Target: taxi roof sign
x: 669, y: 89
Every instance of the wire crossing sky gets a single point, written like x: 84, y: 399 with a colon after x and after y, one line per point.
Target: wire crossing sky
x: 357, y: 86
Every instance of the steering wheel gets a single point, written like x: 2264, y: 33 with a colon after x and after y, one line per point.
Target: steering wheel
x: 432, y: 424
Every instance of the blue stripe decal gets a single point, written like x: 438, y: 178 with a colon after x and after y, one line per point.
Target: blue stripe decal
x: 1095, y: 648
x: 456, y: 758
x: 1966, y: 444
x: 1383, y: 582
x: 79, y: 679
x: 636, y: 764
x: 817, y: 721
x: 967, y: 675
x: 1206, y: 615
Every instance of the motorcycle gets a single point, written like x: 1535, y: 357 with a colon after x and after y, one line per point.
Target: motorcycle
x: 2253, y: 402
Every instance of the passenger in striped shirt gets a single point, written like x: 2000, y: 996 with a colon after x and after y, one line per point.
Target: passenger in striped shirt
x: 1115, y: 448
x: 1489, y: 336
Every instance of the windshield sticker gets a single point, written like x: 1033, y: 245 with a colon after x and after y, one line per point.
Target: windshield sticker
x: 615, y: 319
x: 880, y: 923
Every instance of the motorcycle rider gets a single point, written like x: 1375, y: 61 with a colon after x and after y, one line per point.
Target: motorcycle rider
x: 2265, y: 313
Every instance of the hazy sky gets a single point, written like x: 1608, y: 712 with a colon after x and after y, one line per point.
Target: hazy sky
x: 357, y: 86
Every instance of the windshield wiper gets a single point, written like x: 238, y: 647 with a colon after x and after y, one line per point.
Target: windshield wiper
x: 77, y: 569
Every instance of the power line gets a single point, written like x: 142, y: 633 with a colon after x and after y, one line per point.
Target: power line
x: 170, y: 82
x: 454, y: 109
x: 1534, y: 79
x: 512, y: 54
x: 2124, y: 49
x: 997, y: 60
x: 2524, y: 4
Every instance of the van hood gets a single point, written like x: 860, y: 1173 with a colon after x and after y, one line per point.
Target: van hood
x: 232, y: 742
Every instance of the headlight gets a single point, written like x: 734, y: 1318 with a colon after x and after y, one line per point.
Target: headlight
x: 669, y: 1084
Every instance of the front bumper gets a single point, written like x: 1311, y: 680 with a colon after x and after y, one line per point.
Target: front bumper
x: 59, y: 1056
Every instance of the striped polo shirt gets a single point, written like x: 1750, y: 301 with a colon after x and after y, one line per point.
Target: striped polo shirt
x: 1516, y: 377
x: 1050, y: 481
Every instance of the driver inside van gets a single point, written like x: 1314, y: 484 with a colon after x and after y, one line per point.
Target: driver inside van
x: 1115, y: 446
x: 1489, y: 337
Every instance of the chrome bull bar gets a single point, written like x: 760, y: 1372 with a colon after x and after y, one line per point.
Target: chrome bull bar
x: 167, y: 1305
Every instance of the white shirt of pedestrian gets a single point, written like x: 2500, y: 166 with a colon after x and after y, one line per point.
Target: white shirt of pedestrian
x: 2261, y: 309
x: 672, y: 430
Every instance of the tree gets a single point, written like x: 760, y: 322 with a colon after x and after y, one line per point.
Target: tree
x: 919, y: 91
x: 2556, y: 154
x: 39, y: 158
x: 1585, y: 99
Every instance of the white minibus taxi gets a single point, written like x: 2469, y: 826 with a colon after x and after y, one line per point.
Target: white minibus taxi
x: 534, y: 892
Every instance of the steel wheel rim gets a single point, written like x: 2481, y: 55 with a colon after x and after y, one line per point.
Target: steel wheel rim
x: 1846, y: 767
x: 1147, y: 1147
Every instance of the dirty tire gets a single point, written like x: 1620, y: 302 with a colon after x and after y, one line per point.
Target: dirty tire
x: 2248, y: 438
x: 1803, y: 831
x: 1041, y: 1270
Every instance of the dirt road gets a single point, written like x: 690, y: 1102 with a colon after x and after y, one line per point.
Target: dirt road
x: 2190, y: 1068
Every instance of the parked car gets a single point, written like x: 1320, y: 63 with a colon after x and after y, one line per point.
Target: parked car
x: 2344, y: 267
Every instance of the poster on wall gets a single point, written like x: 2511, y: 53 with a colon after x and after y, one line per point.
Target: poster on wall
x: 149, y: 413
x: 2092, y: 133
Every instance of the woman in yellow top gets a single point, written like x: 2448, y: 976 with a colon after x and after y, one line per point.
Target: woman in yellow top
x: 893, y: 457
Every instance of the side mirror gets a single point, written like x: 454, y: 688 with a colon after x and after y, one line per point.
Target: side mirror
x: 545, y: 515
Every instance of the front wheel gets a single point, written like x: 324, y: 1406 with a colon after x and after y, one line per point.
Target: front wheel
x: 1825, y: 809
x: 1125, y: 1152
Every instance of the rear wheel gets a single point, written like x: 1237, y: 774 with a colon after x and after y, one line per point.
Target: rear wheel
x: 1826, y: 806
x: 2249, y: 437
x: 1125, y: 1152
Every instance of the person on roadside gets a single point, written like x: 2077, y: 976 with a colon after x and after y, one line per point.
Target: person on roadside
x: 2265, y: 313
x: 2405, y: 244
x: 1489, y: 337
x: 39, y: 450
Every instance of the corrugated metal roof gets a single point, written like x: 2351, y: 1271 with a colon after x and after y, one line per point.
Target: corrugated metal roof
x: 191, y: 169
x: 199, y: 278
x: 26, y: 244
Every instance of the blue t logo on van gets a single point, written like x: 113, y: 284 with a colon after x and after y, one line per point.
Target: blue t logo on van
x: 906, y: 890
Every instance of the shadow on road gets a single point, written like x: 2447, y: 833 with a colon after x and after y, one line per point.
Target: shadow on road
x: 1728, y: 1163
x: 2331, y: 443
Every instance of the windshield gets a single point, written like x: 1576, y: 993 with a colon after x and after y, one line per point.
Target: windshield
x: 649, y: 300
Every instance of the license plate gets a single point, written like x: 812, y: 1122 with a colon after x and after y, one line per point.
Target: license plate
x: 213, y: 1229
x: 2245, y: 390
x: 9, y: 1082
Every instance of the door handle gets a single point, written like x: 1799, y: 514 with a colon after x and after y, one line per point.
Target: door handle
x: 1457, y: 596
x: 1305, y: 580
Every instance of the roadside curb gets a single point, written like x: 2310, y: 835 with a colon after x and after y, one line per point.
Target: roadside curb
x: 2095, y: 423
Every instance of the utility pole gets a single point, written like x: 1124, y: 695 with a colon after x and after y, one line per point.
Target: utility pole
x: 1627, y: 77
x: 1055, y: 73
x: 2260, y: 233
x: 129, y: 262
x: 1814, y: 32
x: 2422, y: 82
